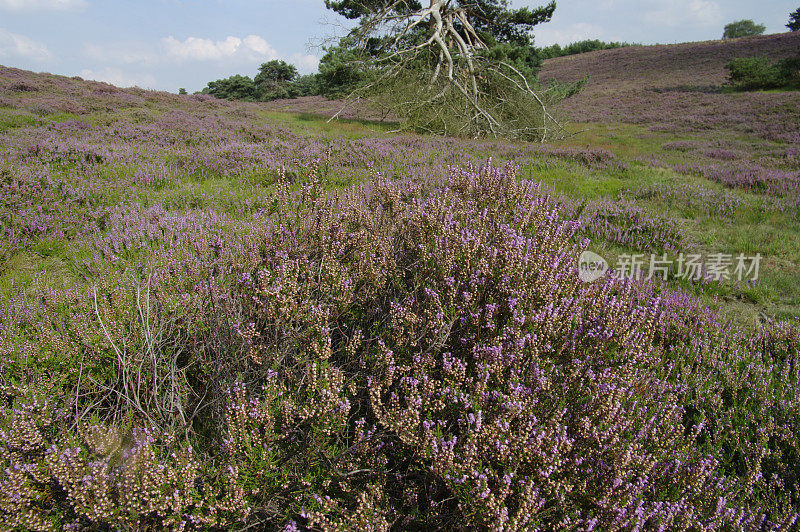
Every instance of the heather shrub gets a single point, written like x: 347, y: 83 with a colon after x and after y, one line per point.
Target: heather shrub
x: 21, y: 86
x: 441, y: 356
x: 695, y: 198
x: 115, y: 477
x: 740, y: 387
x: 625, y: 223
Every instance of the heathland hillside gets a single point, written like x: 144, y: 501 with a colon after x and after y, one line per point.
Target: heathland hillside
x: 680, y: 86
x: 696, y: 65
x: 217, y: 315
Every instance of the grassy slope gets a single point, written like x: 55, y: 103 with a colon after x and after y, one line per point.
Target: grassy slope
x: 641, y: 99
x: 95, y: 180
x: 669, y: 72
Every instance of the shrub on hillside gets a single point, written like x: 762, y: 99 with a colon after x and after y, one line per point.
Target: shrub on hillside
x: 790, y: 71
x: 752, y: 73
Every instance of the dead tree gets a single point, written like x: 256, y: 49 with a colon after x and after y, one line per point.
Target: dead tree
x: 432, y: 65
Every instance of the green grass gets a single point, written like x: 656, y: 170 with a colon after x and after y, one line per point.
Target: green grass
x: 310, y: 123
x: 10, y: 119
x: 749, y: 230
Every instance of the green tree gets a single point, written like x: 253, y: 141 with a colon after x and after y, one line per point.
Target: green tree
x: 343, y: 69
x: 236, y: 87
x: 182, y: 91
x: 306, y: 85
x: 794, y: 20
x: 493, y: 21
x: 742, y: 28
x: 274, y: 80
x: 276, y: 71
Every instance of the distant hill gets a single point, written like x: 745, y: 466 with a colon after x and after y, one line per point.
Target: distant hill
x: 699, y: 65
x: 680, y: 87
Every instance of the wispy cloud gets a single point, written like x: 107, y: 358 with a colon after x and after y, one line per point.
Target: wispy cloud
x: 243, y: 52
x: 120, y: 78
x: 124, y: 53
x: 250, y: 48
x: 305, y: 63
x: 43, y: 5
x: 15, y: 46
x: 578, y: 31
x: 674, y: 13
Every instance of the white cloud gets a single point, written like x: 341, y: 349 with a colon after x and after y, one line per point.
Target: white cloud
x: 116, y: 76
x: 579, y: 31
x: 250, y: 48
x: 43, y: 5
x: 122, y: 53
x: 305, y: 63
x: 13, y: 45
x: 675, y: 13
x: 241, y: 54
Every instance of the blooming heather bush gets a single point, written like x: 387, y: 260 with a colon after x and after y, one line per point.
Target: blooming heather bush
x: 625, y: 223
x: 752, y: 176
x: 442, y: 356
x: 695, y: 197
x: 682, y: 145
x: 742, y: 388
x: 107, y: 476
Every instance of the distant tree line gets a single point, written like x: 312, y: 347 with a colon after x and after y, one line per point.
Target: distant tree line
x: 580, y: 47
x: 275, y: 80
x: 341, y: 71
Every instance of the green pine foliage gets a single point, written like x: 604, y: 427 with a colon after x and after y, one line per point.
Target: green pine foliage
x: 794, y: 20
x: 758, y: 73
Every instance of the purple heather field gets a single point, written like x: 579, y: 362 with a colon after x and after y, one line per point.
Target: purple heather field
x: 224, y: 315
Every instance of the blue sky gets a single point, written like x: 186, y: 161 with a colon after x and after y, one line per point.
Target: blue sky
x: 166, y: 44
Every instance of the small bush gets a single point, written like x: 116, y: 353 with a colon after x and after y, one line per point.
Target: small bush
x: 790, y: 72
x: 753, y: 73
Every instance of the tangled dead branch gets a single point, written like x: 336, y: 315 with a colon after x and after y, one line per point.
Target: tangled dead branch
x: 432, y: 68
